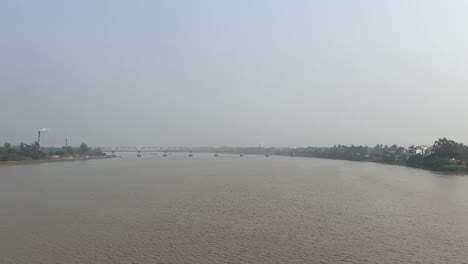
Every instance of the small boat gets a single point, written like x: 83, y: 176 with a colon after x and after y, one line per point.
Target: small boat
x: 164, y: 154
x: 242, y: 154
x: 267, y: 155
x: 216, y: 155
x: 139, y: 155
x: 190, y: 154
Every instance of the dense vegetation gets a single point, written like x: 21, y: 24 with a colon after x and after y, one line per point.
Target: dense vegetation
x: 445, y: 155
x: 21, y: 152
x: 70, y: 151
x: 35, y: 152
x: 379, y: 153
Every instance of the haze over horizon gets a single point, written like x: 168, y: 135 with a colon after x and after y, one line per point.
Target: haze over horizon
x: 235, y: 73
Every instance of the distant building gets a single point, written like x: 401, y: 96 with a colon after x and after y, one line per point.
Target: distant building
x: 421, y: 150
x: 417, y: 150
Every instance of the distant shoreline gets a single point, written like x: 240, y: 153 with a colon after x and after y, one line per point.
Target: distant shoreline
x: 39, y: 161
x: 454, y: 171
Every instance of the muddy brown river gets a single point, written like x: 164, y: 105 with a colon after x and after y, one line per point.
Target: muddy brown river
x: 229, y: 209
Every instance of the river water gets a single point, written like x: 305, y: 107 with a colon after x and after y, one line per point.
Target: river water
x: 230, y: 210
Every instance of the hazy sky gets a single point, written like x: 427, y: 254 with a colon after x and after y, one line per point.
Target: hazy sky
x: 238, y: 73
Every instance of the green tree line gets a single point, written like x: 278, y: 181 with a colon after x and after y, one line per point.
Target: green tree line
x: 21, y: 152
x: 444, y: 154
x: 34, y: 151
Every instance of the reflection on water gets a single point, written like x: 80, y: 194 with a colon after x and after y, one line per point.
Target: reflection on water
x: 229, y: 209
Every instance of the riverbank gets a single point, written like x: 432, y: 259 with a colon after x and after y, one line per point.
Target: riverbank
x: 447, y: 169
x: 39, y: 161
